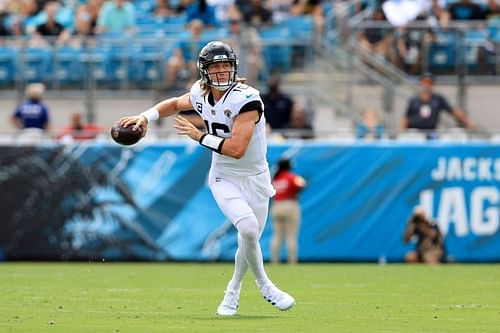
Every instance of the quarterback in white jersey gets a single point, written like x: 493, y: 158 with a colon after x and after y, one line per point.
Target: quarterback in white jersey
x: 239, y: 174
x: 219, y: 119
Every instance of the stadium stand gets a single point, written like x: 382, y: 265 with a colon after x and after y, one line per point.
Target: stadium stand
x: 7, y: 66
x: 138, y: 61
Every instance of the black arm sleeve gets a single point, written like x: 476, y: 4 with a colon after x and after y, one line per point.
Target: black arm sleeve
x: 253, y: 106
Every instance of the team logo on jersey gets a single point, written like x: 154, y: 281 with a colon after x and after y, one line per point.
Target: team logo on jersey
x: 213, y: 112
x: 228, y: 113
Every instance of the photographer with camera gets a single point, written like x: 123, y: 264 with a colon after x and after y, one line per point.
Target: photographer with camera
x: 430, y: 243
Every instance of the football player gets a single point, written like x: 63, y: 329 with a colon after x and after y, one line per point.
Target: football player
x: 239, y: 175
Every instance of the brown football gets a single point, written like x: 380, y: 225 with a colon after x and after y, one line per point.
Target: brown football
x: 125, y: 135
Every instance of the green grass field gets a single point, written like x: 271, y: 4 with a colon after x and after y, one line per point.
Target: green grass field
x: 142, y: 297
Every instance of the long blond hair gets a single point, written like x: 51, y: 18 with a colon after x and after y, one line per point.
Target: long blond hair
x: 34, y: 91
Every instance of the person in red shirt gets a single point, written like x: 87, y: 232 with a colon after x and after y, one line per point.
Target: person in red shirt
x: 285, y: 211
x: 77, y: 130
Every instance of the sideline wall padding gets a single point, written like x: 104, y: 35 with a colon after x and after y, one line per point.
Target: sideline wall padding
x: 82, y: 202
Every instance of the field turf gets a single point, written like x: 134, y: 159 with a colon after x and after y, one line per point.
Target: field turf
x: 168, y: 297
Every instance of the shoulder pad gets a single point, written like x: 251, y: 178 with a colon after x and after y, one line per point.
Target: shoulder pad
x: 243, y: 93
x: 196, y: 89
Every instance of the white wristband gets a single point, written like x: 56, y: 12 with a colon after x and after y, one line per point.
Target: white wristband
x: 212, y: 142
x: 151, y: 114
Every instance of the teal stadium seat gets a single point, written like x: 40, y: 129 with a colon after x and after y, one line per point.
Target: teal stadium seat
x: 7, y: 66
x: 442, y: 58
x: 35, y: 64
x: 148, y: 61
x: 119, y: 60
x: 277, y: 48
x: 171, y: 26
x: 143, y: 8
x: 494, y: 30
x: 442, y: 55
x: 68, y: 65
x: 474, y: 40
x: 301, y: 32
x: 94, y: 63
x: 300, y: 27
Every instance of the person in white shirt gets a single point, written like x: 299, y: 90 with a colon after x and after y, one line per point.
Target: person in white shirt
x: 239, y: 175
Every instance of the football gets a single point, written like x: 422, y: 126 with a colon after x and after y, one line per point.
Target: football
x: 125, y: 135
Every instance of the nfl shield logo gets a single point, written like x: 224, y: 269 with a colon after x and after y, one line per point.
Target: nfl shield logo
x: 213, y: 112
x: 227, y: 112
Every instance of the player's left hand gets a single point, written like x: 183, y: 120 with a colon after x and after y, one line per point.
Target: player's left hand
x: 184, y: 127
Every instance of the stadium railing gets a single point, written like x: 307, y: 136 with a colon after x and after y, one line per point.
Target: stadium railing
x: 135, y: 61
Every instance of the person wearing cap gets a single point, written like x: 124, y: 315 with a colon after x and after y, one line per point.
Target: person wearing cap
x: 424, y: 109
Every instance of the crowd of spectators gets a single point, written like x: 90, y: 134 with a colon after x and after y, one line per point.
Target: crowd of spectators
x: 404, y: 44
x: 93, y: 17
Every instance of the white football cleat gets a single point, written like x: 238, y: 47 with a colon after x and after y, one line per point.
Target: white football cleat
x: 229, y: 305
x: 278, y: 298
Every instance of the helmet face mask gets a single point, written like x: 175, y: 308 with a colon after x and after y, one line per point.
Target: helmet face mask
x: 215, y: 52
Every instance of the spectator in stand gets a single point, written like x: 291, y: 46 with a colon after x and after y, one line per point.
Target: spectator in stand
x: 285, y: 211
x: 13, y: 29
x: 255, y: 13
x: 492, y: 11
x: 434, y: 14
x: 281, y: 9
x: 200, y: 10
x: 306, y: 7
x: 32, y: 113
x: 182, y: 6
x: 463, y: 10
x: 405, y: 52
x: 116, y: 16
x: 163, y: 9
x: 278, y: 106
x: 12, y: 14
x: 246, y: 42
x: 313, y: 8
x: 4, y: 30
x: 50, y: 32
x: 12, y: 6
x: 299, y: 127
x: 486, y: 49
x: 30, y: 8
x: 376, y: 39
x: 224, y: 10
x: 370, y: 129
x: 86, y: 17
x: 424, y: 109
x: 183, y: 61
x: 77, y: 130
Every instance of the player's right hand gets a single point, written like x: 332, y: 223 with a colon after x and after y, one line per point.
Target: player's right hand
x: 137, y: 121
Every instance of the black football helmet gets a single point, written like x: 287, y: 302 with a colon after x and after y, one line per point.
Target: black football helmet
x: 217, y: 52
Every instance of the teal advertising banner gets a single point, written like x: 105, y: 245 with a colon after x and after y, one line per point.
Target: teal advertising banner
x: 99, y: 201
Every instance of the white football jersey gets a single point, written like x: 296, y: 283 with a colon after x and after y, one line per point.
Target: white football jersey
x: 219, y: 120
